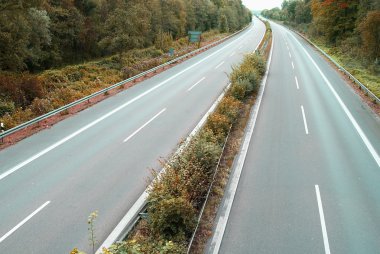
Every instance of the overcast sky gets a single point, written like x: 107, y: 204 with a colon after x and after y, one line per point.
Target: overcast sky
x: 262, y: 4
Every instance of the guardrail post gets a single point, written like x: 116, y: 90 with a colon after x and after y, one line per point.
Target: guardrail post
x: 2, y: 127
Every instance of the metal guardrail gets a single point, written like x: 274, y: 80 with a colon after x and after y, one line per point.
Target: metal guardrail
x: 121, y: 83
x: 374, y: 98
x: 200, y: 215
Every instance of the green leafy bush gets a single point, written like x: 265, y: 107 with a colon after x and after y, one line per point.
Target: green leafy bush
x: 174, y: 217
x: 238, y: 91
x: 6, y: 107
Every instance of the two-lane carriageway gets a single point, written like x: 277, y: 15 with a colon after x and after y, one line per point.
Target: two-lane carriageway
x: 99, y: 159
x: 311, y: 177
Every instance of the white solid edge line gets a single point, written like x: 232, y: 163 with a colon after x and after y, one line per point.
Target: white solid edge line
x: 222, y: 222
x: 141, y: 201
x: 196, y: 84
x: 219, y: 65
x: 23, y: 222
x: 298, y: 87
x: 304, y: 120
x: 323, y: 223
x: 368, y: 144
x: 145, y: 124
x: 67, y: 138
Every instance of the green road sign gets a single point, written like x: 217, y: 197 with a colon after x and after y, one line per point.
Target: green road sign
x: 194, y: 36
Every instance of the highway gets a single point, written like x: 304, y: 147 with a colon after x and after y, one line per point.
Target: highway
x: 311, y: 176
x: 100, y: 159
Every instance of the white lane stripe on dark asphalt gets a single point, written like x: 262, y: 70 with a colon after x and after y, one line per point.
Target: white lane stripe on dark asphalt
x: 145, y: 124
x: 359, y: 130
x: 298, y: 87
x: 196, y: 84
x: 323, y: 223
x: 219, y: 65
x: 304, y: 120
x: 290, y: 55
x: 93, y: 123
x: 293, y: 65
x: 23, y: 222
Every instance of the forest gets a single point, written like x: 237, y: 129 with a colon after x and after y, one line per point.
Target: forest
x: 347, y: 29
x: 56, y: 51
x: 39, y: 34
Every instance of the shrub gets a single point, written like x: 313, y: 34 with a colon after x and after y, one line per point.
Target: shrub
x: 6, y: 107
x: 18, y: 116
x: 139, y: 246
x: 163, y: 41
x: 41, y: 106
x: 205, y: 150
x: 230, y: 107
x: 63, y: 96
x: 172, y: 217
x: 219, y: 124
x: 238, y: 91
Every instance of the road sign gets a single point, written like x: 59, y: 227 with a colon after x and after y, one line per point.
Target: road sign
x: 194, y: 36
x: 171, y: 52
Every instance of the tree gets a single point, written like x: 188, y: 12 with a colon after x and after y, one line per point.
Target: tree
x: 39, y: 38
x: 125, y: 29
x: 334, y: 19
x: 370, y: 34
x: 302, y: 13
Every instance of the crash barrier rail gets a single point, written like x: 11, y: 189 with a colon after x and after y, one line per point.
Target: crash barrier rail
x: 38, y: 119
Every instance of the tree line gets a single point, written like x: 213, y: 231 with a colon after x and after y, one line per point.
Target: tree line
x: 40, y: 34
x: 351, y: 25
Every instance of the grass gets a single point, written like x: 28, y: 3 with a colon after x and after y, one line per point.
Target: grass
x: 355, y: 67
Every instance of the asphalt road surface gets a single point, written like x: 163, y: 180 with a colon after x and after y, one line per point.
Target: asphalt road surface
x: 99, y: 159
x: 311, y: 178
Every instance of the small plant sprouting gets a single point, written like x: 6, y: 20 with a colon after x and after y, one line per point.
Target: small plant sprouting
x: 91, y: 229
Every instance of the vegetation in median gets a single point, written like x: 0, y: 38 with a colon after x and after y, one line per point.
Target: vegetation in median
x: 348, y: 30
x: 177, y: 194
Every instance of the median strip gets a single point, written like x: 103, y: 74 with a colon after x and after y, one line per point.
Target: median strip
x: 177, y: 194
